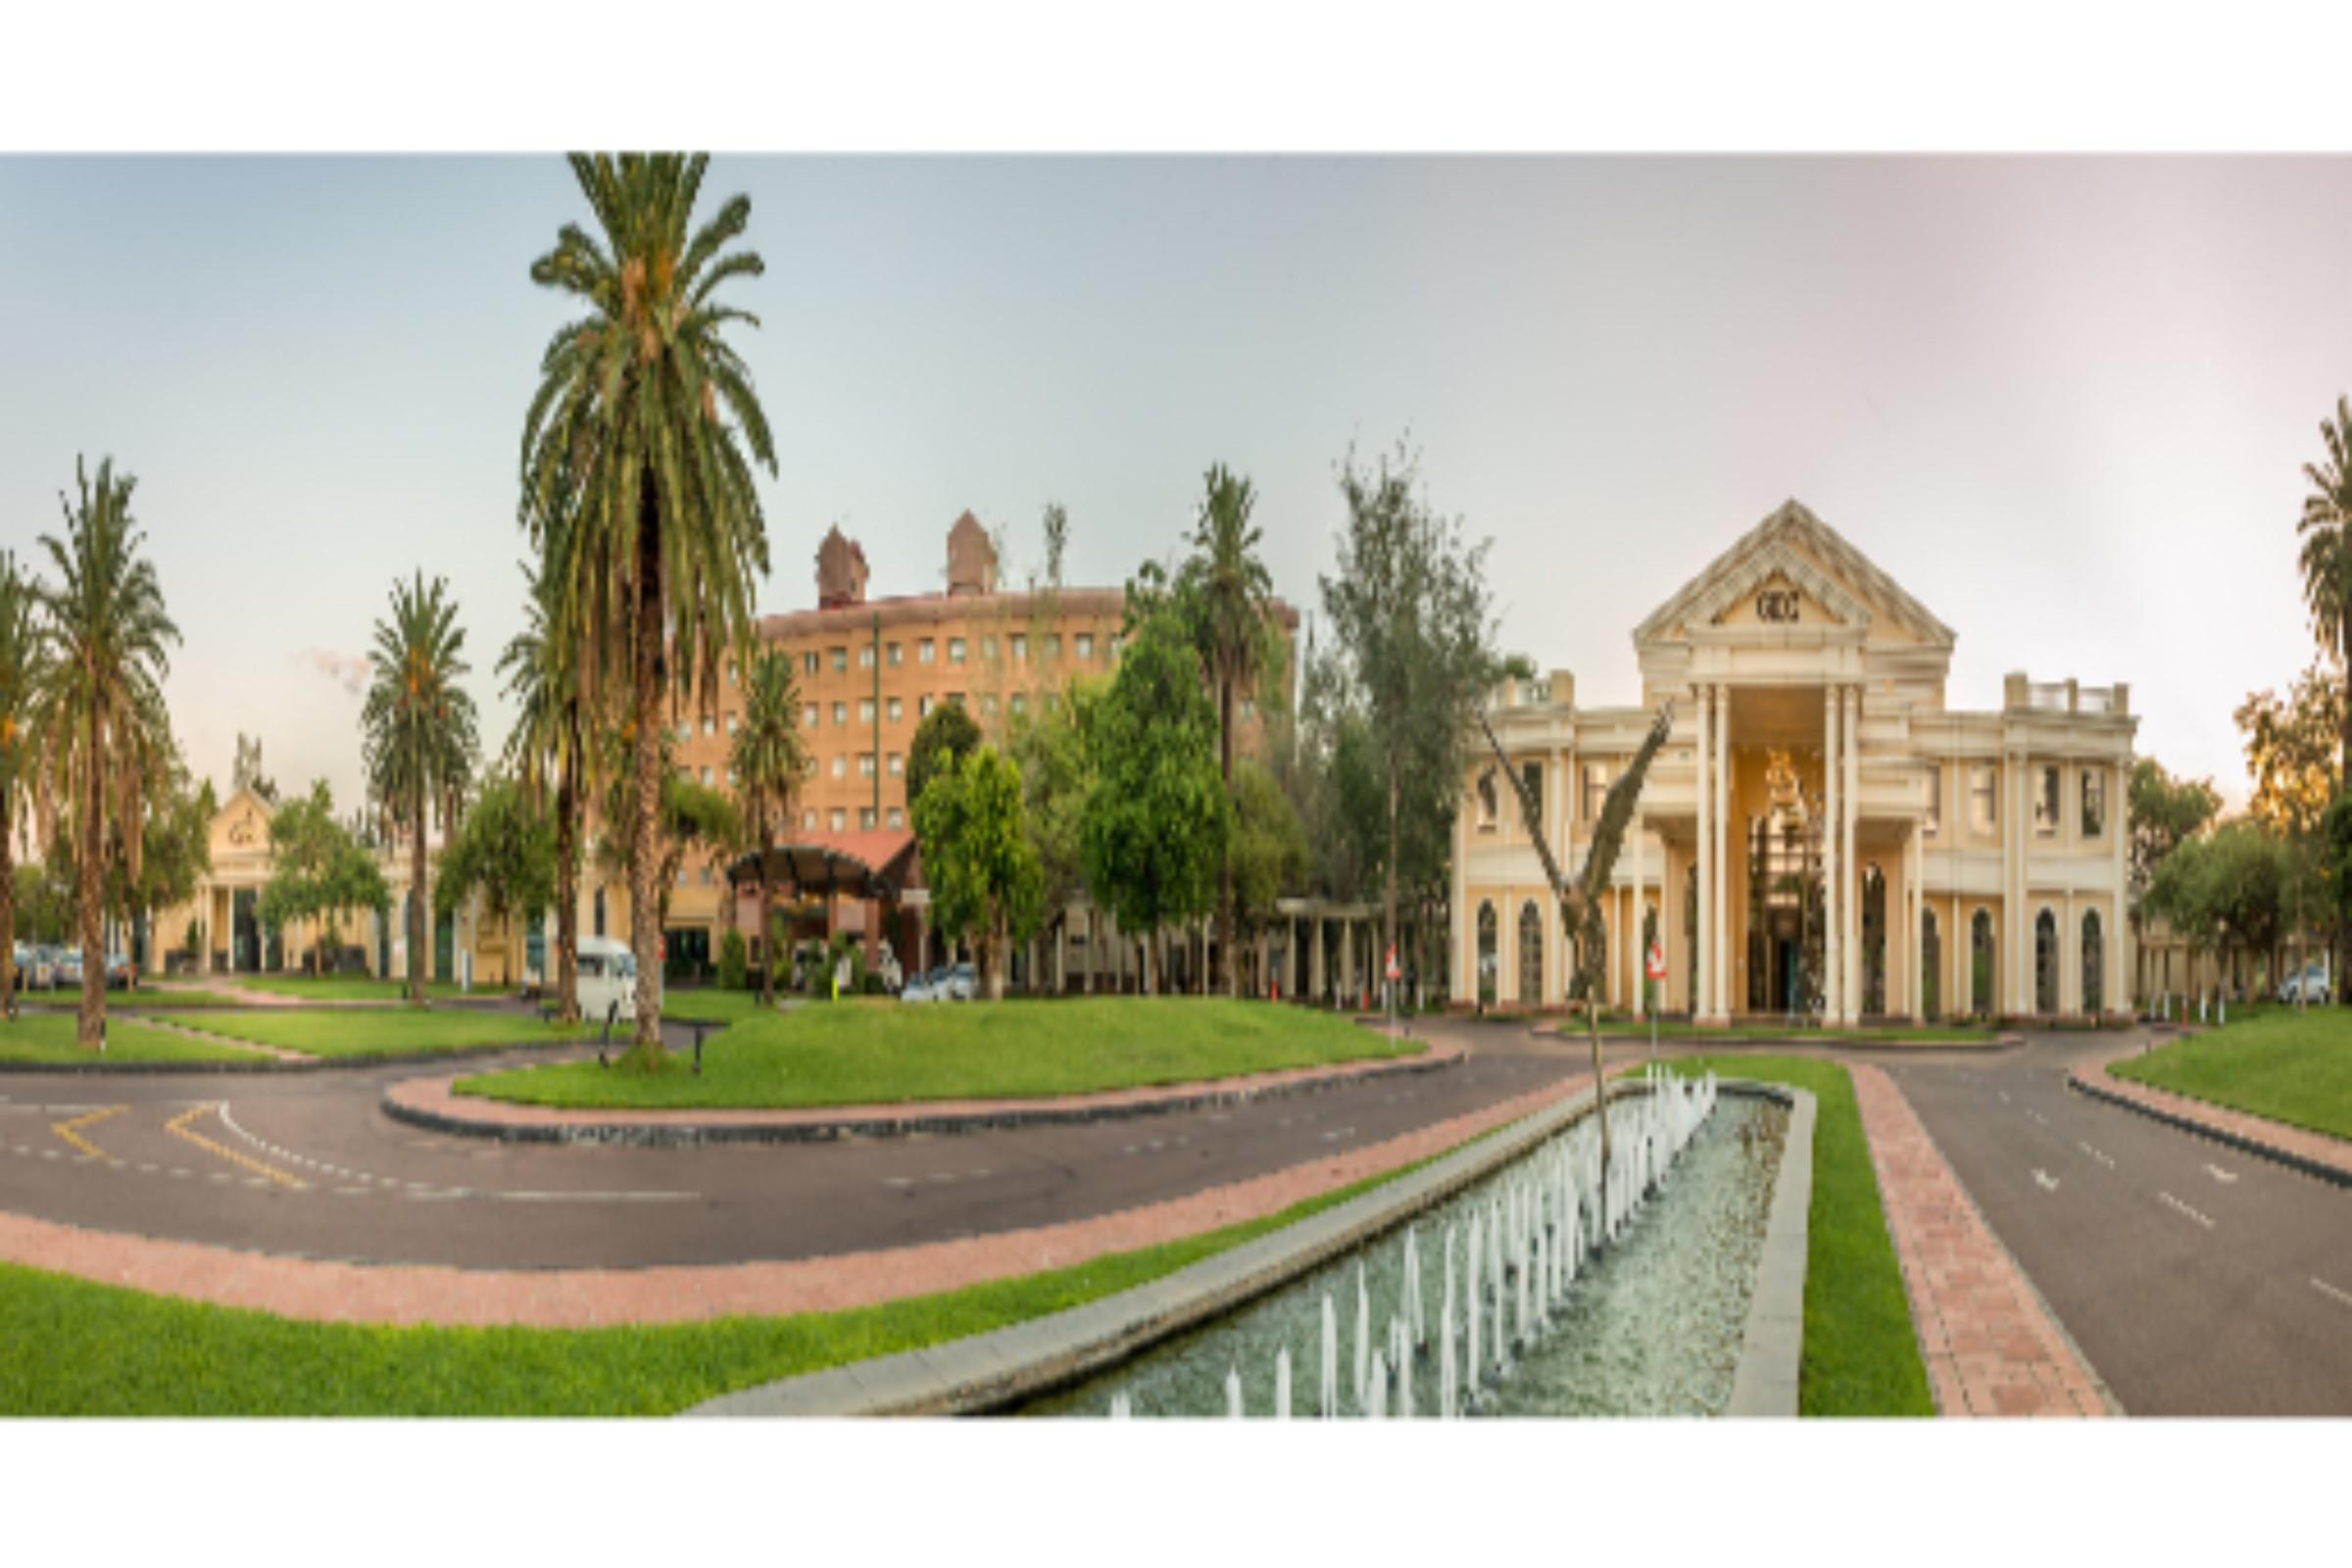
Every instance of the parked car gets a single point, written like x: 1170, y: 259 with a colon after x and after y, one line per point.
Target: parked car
x: 2310, y: 987
x: 608, y: 979
x: 68, y: 967
x: 918, y: 988
x: 118, y: 971
x: 961, y: 983
x: 36, y: 969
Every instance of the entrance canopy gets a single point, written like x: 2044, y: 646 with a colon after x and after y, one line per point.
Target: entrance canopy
x: 879, y: 864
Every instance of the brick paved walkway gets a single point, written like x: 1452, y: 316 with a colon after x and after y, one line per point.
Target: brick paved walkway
x: 331, y: 1291
x: 2316, y: 1149
x: 1991, y: 1348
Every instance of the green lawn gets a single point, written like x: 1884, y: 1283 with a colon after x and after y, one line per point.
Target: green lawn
x: 888, y: 1053
x: 1884, y: 1035
x: 48, y: 1037
x: 1861, y: 1353
x: 710, y: 1007
x: 354, y: 988
x: 2291, y: 1067
x: 110, y: 1352
x: 374, y: 1032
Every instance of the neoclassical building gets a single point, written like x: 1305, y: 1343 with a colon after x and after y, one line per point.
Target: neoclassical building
x: 1821, y: 833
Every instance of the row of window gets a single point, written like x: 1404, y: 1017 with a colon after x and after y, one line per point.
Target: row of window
x: 839, y: 819
x: 1985, y: 793
x: 926, y: 651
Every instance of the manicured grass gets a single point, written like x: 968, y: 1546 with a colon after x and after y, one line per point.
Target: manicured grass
x: 355, y: 988
x: 710, y: 1007
x: 1861, y: 1353
x: 378, y: 1032
x: 890, y: 1053
x: 2291, y: 1067
x: 48, y: 1037
x: 1882, y: 1035
x: 105, y: 1350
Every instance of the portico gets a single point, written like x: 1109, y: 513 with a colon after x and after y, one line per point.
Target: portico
x: 1820, y: 825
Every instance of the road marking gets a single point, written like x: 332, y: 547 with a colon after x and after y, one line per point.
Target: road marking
x: 2325, y: 1288
x: 898, y: 1181
x: 177, y: 1127
x: 70, y: 1131
x: 2219, y: 1174
x: 2004, y: 1097
x: 2103, y: 1159
x: 1338, y: 1133
x: 2049, y: 1182
x: 2186, y: 1210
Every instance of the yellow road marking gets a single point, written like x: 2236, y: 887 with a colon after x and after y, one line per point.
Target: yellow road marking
x: 70, y: 1131
x: 177, y: 1127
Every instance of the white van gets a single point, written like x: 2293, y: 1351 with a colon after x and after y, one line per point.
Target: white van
x: 607, y: 975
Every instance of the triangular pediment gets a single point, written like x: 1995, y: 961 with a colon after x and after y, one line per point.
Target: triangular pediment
x: 1793, y: 569
x: 241, y: 826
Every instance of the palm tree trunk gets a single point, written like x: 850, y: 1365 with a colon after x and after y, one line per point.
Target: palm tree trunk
x: 567, y: 901
x: 89, y: 1030
x: 1225, y: 943
x: 1391, y: 916
x: 417, y: 891
x: 8, y: 903
x: 645, y: 899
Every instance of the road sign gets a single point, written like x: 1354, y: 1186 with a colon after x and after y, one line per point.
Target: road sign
x: 1394, y: 973
x: 1657, y: 959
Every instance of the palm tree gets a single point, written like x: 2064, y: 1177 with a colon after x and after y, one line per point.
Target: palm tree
x: 767, y: 759
x: 2327, y: 530
x: 417, y: 724
x: 548, y: 738
x: 21, y: 645
x: 626, y: 439
x: 102, y: 702
x: 1234, y: 597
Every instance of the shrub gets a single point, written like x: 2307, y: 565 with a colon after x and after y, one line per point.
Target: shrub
x: 734, y: 962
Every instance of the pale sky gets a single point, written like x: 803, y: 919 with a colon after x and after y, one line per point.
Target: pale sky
x: 2066, y: 402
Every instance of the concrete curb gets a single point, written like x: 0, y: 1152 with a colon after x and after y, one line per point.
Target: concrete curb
x: 2184, y: 1122
x: 1772, y: 1355
x: 887, y: 1121
x: 989, y: 1372
x: 262, y: 1063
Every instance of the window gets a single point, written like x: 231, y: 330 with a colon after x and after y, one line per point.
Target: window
x: 988, y: 704
x: 865, y: 656
x: 730, y: 724
x: 841, y: 765
x: 897, y: 655
x: 1020, y: 704
x: 1487, y: 802
x: 2095, y: 804
x: 1486, y: 922
x: 705, y: 778
x: 1597, y: 789
x: 1934, y: 800
x: 865, y: 710
x: 897, y: 818
x: 988, y: 647
x: 809, y: 714
x: 686, y: 729
x: 1020, y: 645
x: 841, y: 714
x: 865, y: 764
x: 897, y: 710
x: 2092, y: 970
x: 840, y: 818
x: 1053, y: 646
x: 922, y: 706
x: 2046, y: 802
x: 2045, y: 963
x: 710, y: 725
x: 897, y: 765
x: 808, y: 820
x: 865, y: 817
x: 923, y: 651
x: 1531, y: 954
x: 809, y: 662
x: 730, y: 669
x: 1085, y: 645
x: 841, y: 660
x: 1979, y: 963
x: 1532, y: 774
x: 954, y: 650
x: 810, y: 769
x: 1983, y: 798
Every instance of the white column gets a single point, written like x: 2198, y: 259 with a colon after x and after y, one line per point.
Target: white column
x: 1722, y: 863
x: 1833, y: 780
x: 1641, y: 949
x: 1850, y: 744
x: 1702, y: 850
x: 1915, y: 878
x: 2115, y: 926
x: 2018, y: 925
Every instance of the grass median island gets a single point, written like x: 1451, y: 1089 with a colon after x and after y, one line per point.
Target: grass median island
x: 358, y: 988
x: 373, y: 1032
x: 105, y: 1350
x: 890, y: 1053
x: 48, y: 1038
x: 1861, y: 1353
x: 2288, y: 1066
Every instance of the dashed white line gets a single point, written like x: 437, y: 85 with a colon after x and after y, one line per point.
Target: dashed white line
x: 898, y: 1181
x: 2104, y: 1159
x: 2043, y: 1179
x: 2186, y: 1210
x: 2327, y: 1290
x: 2219, y: 1174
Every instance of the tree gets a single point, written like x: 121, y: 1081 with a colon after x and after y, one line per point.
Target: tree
x: 1408, y: 604
x: 631, y: 470
x: 692, y: 818
x: 1154, y: 823
x: 2326, y: 555
x: 2291, y: 754
x: 946, y: 736
x: 1233, y: 600
x: 21, y: 650
x: 418, y: 729
x: 983, y: 871
x: 2223, y: 890
x: 1048, y: 745
x: 541, y: 666
x: 102, y: 713
x: 767, y: 759
x: 1268, y: 852
x: 2165, y: 814
x: 318, y: 870
x: 505, y: 848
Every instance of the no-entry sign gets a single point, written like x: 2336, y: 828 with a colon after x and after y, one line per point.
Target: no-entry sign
x: 1657, y: 959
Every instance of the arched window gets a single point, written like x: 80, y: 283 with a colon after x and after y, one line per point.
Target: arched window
x: 1931, y: 966
x: 600, y: 911
x: 1873, y: 940
x: 1485, y: 954
x: 2045, y: 963
x: 1531, y: 954
x: 2093, y: 967
x: 1979, y: 960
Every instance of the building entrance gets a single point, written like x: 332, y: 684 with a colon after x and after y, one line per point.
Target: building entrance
x: 1785, y: 906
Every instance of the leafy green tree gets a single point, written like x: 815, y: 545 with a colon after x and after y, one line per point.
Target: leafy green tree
x: 2291, y: 754
x: 1269, y: 852
x: 767, y: 759
x: 694, y: 820
x: 1228, y: 583
x: 981, y: 866
x: 2165, y: 814
x: 2326, y: 555
x: 417, y: 724
x: 637, y: 482
x: 102, y: 715
x: 1048, y: 745
x: 946, y: 736
x: 505, y: 848
x: 1155, y: 821
x: 320, y: 872
x: 44, y: 900
x: 550, y: 739
x: 22, y: 655
x: 1408, y: 605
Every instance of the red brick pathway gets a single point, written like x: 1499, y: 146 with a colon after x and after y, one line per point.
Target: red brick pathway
x: 2317, y: 1147
x: 329, y: 1292
x: 1991, y: 1346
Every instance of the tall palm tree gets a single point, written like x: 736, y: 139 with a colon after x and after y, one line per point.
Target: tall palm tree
x: 1234, y: 596
x: 102, y: 706
x: 767, y: 757
x: 2327, y: 530
x: 548, y: 739
x: 638, y: 435
x: 418, y: 732
x: 21, y: 645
